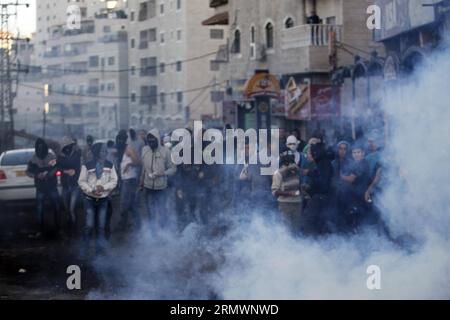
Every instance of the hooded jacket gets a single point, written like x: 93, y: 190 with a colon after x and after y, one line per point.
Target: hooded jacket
x: 69, y: 162
x: 158, y: 161
x: 43, y: 161
x: 88, y: 180
x: 320, y: 178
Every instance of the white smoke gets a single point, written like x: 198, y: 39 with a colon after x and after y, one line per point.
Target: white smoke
x: 259, y: 259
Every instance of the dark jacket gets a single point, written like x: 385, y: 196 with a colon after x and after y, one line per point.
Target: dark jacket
x: 321, y: 176
x: 361, y: 183
x: 43, y: 161
x: 69, y: 162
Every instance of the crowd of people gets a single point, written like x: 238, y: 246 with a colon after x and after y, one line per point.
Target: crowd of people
x: 318, y: 188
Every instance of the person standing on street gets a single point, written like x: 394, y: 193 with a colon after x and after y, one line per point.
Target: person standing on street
x: 157, y: 166
x: 98, y: 179
x: 87, y: 150
x: 42, y: 168
x: 130, y: 168
x: 69, y: 163
x: 286, y: 188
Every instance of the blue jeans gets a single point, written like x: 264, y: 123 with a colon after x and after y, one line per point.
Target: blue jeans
x: 70, y: 197
x: 96, y: 211
x: 53, y: 196
x: 156, y: 208
x: 128, y: 201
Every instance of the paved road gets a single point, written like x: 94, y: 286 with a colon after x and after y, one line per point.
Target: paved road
x: 33, y: 268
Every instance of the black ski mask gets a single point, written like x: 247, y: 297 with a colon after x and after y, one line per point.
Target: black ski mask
x: 89, y: 140
x: 152, y: 142
x: 68, y: 150
x: 41, y: 149
x: 99, y: 151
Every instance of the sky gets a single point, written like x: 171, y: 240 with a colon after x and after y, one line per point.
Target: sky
x: 26, y: 18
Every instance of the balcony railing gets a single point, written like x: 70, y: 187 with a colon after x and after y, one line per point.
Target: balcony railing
x: 114, y: 37
x: 310, y: 35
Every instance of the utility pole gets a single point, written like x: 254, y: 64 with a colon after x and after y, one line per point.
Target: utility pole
x: 215, y: 98
x: 6, y: 79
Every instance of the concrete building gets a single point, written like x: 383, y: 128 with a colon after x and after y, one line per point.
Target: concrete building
x: 410, y: 32
x: 300, y: 49
x: 171, y: 53
x: 85, y: 66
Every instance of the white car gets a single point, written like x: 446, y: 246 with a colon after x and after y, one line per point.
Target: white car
x: 14, y: 182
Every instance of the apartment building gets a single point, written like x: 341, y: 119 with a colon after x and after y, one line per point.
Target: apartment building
x: 297, y: 46
x: 83, y: 66
x: 173, y: 61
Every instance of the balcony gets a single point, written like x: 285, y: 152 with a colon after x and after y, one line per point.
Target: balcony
x: 143, y: 45
x: 93, y: 90
x: 305, y: 48
x: 309, y: 35
x: 119, y: 36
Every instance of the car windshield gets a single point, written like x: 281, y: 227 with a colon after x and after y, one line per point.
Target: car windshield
x: 17, y: 158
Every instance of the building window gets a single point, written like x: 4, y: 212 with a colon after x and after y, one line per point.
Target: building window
x: 152, y: 35
x: 179, y: 66
x: 162, y: 100
x: 289, y: 23
x: 162, y: 67
x: 179, y: 97
x: 216, y: 34
x: 178, y: 35
x: 148, y: 66
x: 132, y: 43
x: 331, y: 20
x: 93, y: 61
x: 143, y: 11
x: 237, y: 42
x: 132, y: 16
x: 162, y: 38
x: 110, y: 86
x: 149, y: 95
x: 178, y: 4
x: 133, y: 70
x: 133, y: 97
x: 252, y: 34
x: 161, y: 9
x: 269, y: 35
x: 147, y: 36
x: 111, y: 61
x: 214, y: 65
x: 106, y: 29
x: 152, y: 8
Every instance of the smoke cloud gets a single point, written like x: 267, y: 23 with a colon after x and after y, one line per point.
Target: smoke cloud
x: 258, y: 258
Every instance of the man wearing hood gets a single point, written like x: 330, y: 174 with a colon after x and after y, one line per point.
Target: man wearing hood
x: 69, y: 163
x: 97, y: 180
x: 42, y: 167
x: 318, y: 213
x: 87, y: 150
x: 157, y: 166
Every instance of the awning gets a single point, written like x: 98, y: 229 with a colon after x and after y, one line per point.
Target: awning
x: 217, y: 19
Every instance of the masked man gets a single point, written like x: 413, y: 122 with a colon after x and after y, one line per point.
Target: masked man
x: 42, y: 168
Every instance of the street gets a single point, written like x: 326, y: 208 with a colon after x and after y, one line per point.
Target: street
x: 33, y: 268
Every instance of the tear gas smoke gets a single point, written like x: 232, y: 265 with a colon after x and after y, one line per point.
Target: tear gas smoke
x: 258, y: 259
